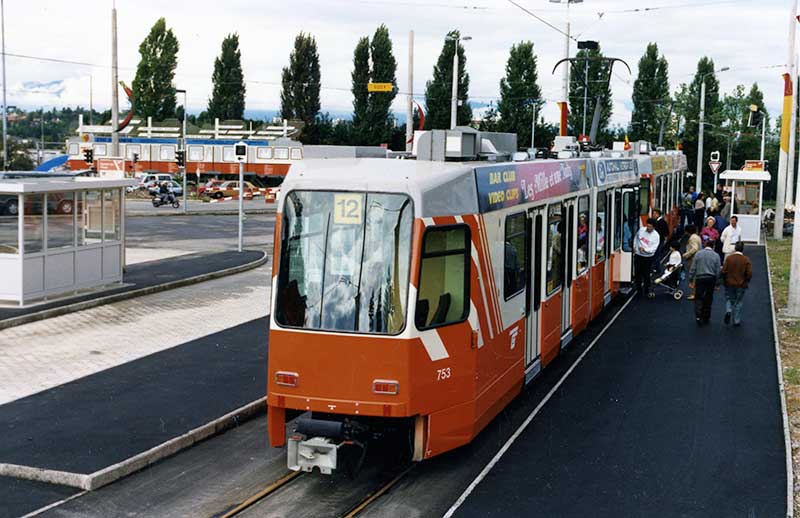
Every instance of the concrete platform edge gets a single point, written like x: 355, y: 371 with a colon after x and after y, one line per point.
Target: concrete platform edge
x: 128, y: 466
x: 198, y: 213
x: 117, y: 297
x: 781, y: 389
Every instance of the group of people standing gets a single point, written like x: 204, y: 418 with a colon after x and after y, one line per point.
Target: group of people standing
x: 711, y: 255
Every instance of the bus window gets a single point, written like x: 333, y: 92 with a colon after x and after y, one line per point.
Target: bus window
x: 555, y: 256
x: 618, y: 220
x: 515, y: 255
x: 443, y: 296
x: 582, y: 254
x: 644, y: 196
x: 600, y: 229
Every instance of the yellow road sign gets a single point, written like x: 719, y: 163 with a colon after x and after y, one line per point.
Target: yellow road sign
x: 379, y: 87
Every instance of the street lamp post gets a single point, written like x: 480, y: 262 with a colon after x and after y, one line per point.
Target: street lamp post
x: 185, y: 210
x: 699, y: 178
x: 454, y: 97
x: 566, y: 47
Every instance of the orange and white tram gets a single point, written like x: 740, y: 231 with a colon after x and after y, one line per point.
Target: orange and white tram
x: 663, y: 180
x: 421, y: 296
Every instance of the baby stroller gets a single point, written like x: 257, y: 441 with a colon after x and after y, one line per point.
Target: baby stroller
x: 669, y: 281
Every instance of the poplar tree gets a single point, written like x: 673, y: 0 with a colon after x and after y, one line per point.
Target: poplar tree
x: 598, y: 81
x: 687, y: 103
x: 384, y: 69
x: 300, y: 86
x: 519, y: 93
x: 438, y: 90
x: 227, y: 98
x: 152, y: 86
x: 360, y: 77
x: 651, y: 97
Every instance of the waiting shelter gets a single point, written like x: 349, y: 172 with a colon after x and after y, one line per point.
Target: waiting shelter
x: 60, y: 236
x: 747, y: 192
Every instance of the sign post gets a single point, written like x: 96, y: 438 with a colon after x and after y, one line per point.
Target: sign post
x: 240, y: 150
x: 714, y: 164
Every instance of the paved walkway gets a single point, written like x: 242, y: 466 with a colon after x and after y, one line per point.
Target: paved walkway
x: 44, y: 354
x: 661, y: 418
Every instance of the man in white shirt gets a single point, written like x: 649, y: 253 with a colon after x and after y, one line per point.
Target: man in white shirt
x: 730, y: 236
x: 644, y: 247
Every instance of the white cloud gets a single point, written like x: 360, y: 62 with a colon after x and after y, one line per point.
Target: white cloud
x: 744, y: 35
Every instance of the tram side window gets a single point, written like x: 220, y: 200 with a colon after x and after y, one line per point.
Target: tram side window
x: 600, y: 229
x: 618, y: 221
x: 515, y: 255
x: 644, y: 196
x: 582, y: 255
x: 631, y: 221
x: 555, y: 256
x: 443, y: 296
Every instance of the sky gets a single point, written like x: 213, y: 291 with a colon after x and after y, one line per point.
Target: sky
x: 749, y: 36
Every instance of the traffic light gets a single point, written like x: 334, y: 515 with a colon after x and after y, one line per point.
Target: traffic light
x: 88, y: 155
x: 180, y: 157
x: 135, y: 158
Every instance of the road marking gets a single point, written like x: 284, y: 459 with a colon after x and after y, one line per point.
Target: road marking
x: 54, y: 504
x: 450, y: 512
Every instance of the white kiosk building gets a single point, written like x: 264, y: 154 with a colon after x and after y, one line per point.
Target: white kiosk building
x: 60, y: 236
x: 747, y: 193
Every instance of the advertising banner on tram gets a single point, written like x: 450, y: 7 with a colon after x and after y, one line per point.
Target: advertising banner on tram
x: 507, y: 185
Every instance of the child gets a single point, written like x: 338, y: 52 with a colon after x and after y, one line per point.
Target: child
x: 673, y: 262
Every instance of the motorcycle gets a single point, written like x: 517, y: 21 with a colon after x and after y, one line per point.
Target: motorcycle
x: 166, y: 199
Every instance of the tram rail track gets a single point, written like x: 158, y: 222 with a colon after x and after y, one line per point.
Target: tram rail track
x: 351, y: 510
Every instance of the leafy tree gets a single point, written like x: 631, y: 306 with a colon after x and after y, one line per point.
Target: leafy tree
x: 227, y: 98
x: 598, y: 81
x: 687, y: 107
x: 300, y: 85
x: 360, y: 77
x: 152, y: 86
x: 438, y: 91
x: 519, y: 93
x: 650, y: 96
x: 384, y: 68
x: 490, y: 120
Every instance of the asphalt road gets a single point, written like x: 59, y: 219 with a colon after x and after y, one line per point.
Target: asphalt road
x: 200, y: 232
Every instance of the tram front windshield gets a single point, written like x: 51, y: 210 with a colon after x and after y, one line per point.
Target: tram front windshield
x: 344, y: 261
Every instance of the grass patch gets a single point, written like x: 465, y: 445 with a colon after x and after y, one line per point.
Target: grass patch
x: 792, y: 376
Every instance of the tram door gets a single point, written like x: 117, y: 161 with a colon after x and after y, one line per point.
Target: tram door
x: 628, y: 211
x: 537, y: 221
x: 568, y: 247
x: 609, y: 239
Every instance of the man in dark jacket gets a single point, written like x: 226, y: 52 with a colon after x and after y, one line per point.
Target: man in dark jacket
x: 662, y: 228
x: 737, y: 272
x: 703, y: 276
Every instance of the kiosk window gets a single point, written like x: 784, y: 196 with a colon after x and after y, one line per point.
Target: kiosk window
x: 555, y: 256
x: 600, y: 229
x: 443, y: 296
x: 515, y: 255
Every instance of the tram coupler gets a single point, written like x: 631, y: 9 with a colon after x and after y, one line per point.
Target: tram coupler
x: 316, y: 443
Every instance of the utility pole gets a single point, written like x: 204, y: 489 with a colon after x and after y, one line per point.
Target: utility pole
x: 114, y: 83
x: 41, y: 157
x: 91, y: 105
x: 533, y: 127
x: 763, y: 133
x: 5, y: 106
x: 454, y: 96
x: 585, y: 90
x: 783, y: 157
x: 792, y: 141
x: 699, y: 180
x: 410, y: 101
x: 565, y: 85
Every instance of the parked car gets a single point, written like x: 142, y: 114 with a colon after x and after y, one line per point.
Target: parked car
x: 9, y: 204
x: 231, y: 188
x: 148, y: 180
x: 153, y: 188
x: 209, y: 185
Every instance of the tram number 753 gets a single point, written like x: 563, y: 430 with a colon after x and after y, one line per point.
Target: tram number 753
x: 442, y: 374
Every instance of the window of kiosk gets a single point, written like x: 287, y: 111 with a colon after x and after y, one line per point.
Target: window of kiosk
x: 345, y: 260
x: 516, y: 256
x: 555, y: 254
x: 747, y: 198
x: 443, y: 296
x: 9, y: 224
x: 582, y: 232
x: 644, y: 196
x: 600, y: 229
